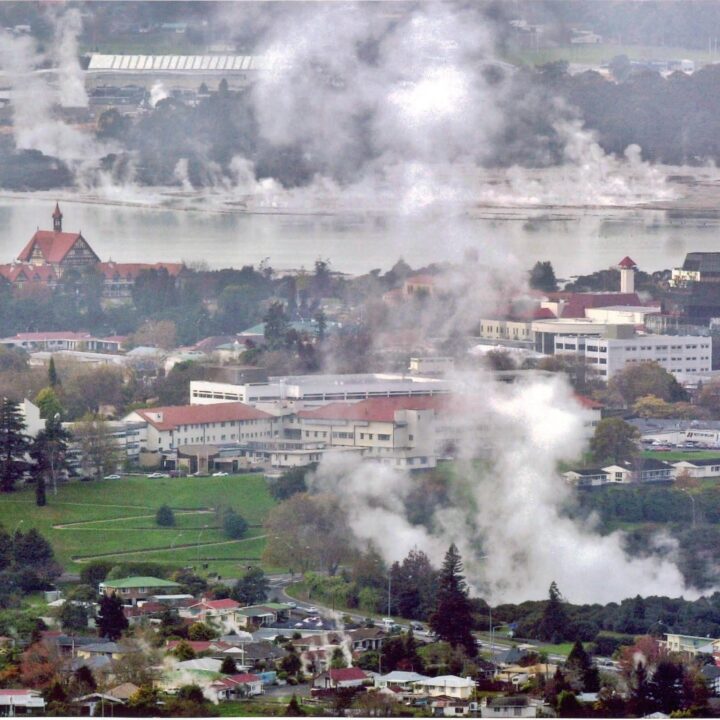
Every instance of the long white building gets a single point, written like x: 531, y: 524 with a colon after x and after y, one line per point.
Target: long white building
x: 318, y: 389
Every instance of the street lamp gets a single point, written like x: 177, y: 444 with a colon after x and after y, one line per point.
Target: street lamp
x: 202, y: 530
x: 692, y: 499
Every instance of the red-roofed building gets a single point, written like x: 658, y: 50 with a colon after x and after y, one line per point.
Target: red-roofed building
x: 335, y: 679
x: 396, y: 431
x: 211, y: 610
x: 169, y: 428
x: 22, y: 702
x: 627, y: 269
x: 50, y: 253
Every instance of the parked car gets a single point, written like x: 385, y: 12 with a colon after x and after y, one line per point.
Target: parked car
x: 220, y: 474
x: 158, y: 475
x: 112, y: 477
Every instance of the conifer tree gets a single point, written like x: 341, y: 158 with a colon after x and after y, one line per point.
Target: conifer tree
x: 554, y: 624
x: 14, y: 444
x: 111, y: 621
x: 452, y: 618
x: 53, y: 377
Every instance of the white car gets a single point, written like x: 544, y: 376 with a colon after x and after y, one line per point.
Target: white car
x: 312, y: 610
x: 220, y: 474
x: 111, y: 477
x: 157, y: 475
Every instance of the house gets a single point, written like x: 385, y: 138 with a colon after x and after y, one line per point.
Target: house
x: 222, y: 610
x: 707, y: 468
x: 110, y: 650
x: 364, y: 639
x: 399, y: 679
x: 447, y: 685
x: 267, y: 614
x: 99, y: 704
x: 21, y: 702
x: 133, y: 589
x: 586, y: 477
x: 513, y: 706
x: 444, y: 706
x: 233, y: 687
x: 334, y: 679
x: 688, y: 644
x: 124, y: 691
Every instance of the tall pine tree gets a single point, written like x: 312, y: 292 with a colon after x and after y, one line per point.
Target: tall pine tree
x: 452, y: 618
x: 53, y: 378
x: 111, y: 620
x: 49, y: 451
x: 14, y: 444
x: 554, y: 625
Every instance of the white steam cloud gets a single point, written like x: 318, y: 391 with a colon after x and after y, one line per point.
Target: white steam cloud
x: 506, y: 515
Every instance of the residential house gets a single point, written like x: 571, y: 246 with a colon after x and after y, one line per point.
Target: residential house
x: 444, y: 706
x: 209, y: 610
x: 110, y: 650
x: 688, y: 644
x: 258, y: 615
x: 644, y: 470
x: 98, y: 704
x: 133, y: 589
x: 586, y: 477
x: 21, y: 702
x: 336, y: 678
x: 519, y: 706
x: 399, y: 679
x: 364, y: 639
x: 448, y: 685
x: 234, y: 687
x: 695, y: 468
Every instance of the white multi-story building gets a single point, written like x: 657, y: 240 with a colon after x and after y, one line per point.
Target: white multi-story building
x: 318, y: 389
x: 683, y: 356
x: 169, y: 428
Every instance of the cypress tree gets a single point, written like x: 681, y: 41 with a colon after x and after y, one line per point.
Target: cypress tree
x: 40, y: 495
x: 13, y: 445
x: 53, y: 378
x: 452, y: 618
x: 111, y: 620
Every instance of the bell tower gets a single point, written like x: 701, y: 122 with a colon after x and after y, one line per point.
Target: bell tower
x: 57, y: 218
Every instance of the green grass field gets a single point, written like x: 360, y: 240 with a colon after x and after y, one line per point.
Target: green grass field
x: 676, y: 455
x: 604, y: 52
x: 115, y: 519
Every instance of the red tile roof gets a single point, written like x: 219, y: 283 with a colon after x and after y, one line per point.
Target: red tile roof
x: 627, y: 262
x: 226, y: 604
x: 374, y: 409
x: 54, y: 246
x: 577, y: 303
x: 420, y: 280
x: 233, y: 680
x: 344, y: 674
x: 17, y: 272
x: 543, y: 314
x: 170, y: 417
x: 589, y: 403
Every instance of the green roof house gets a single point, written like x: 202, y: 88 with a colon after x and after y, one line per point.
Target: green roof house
x: 132, y: 589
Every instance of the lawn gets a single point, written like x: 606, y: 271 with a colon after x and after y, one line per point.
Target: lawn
x: 604, y: 52
x: 116, y: 520
x: 675, y: 455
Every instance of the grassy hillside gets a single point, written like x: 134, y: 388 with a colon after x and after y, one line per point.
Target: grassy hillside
x: 116, y: 519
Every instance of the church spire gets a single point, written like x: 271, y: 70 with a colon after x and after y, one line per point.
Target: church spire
x: 57, y: 218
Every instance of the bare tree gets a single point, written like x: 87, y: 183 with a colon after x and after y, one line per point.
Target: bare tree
x: 99, y: 448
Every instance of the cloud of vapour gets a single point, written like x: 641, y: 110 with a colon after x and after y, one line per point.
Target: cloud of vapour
x: 506, y: 514
x: 37, y: 93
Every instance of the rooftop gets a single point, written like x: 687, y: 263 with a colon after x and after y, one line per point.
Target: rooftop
x: 170, y: 417
x: 138, y: 582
